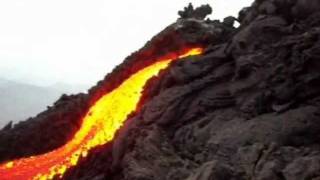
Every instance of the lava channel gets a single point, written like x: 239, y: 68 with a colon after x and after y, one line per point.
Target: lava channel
x: 98, y: 127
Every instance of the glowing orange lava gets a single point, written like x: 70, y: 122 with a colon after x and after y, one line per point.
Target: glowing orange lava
x: 98, y: 127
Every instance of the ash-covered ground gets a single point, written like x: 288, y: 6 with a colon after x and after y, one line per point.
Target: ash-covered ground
x: 248, y: 108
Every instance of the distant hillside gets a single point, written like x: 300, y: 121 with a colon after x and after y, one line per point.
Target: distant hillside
x: 20, y: 101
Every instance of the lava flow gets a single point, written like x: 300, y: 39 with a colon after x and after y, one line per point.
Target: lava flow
x: 98, y: 127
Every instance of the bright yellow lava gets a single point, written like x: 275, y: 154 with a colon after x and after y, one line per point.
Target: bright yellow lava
x: 99, y: 126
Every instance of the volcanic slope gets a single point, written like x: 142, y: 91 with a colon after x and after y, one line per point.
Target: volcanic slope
x: 247, y: 108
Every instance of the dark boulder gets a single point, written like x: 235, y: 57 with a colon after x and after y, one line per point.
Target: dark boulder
x: 198, y: 13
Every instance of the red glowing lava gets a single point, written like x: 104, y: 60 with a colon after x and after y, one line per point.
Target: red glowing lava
x: 98, y: 127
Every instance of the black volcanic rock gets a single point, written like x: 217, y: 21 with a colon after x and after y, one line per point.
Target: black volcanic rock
x: 248, y: 108
x: 198, y: 13
x: 54, y: 126
x: 59, y: 123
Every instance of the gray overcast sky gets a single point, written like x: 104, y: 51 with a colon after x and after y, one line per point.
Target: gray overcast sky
x: 79, y: 41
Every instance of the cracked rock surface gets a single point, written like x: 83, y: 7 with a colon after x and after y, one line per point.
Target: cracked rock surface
x: 248, y: 108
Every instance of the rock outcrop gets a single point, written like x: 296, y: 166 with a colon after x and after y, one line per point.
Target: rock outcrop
x: 248, y: 108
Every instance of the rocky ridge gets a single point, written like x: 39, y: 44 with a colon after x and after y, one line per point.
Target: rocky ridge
x: 248, y: 108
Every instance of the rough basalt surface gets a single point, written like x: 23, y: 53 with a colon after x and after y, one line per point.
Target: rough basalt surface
x: 248, y: 108
x: 58, y: 123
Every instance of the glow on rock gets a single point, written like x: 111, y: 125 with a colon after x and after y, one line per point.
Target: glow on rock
x: 98, y: 127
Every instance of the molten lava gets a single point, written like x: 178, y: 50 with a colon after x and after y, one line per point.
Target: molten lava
x: 98, y: 127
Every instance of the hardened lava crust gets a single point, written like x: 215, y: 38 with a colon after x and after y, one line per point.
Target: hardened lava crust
x: 247, y: 108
